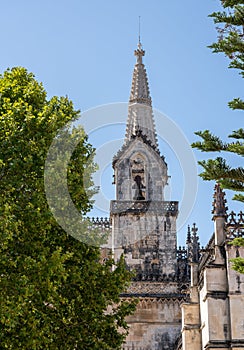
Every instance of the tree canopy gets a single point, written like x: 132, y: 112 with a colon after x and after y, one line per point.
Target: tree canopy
x: 54, y: 291
x: 230, y: 23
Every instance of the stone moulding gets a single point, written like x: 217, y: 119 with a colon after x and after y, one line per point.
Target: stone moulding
x: 141, y: 206
x: 152, y: 288
x: 234, y: 226
x: 217, y: 344
x: 160, y: 297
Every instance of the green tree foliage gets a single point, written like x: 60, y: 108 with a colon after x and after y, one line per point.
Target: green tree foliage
x: 238, y: 263
x: 54, y: 292
x: 230, y: 23
x: 231, y: 43
x: 218, y: 169
x: 231, y: 38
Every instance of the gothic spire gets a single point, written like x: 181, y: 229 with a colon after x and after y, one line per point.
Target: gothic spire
x: 219, y: 207
x: 140, y: 89
x: 140, y: 114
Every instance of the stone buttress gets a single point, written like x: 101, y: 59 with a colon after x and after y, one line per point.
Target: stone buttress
x: 213, y: 318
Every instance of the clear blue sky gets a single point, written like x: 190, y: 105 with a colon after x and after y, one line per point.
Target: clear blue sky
x: 84, y: 49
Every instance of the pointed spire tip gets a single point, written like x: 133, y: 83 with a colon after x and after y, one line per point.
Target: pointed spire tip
x: 219, y: 207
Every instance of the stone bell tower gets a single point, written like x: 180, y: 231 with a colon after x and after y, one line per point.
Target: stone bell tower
x: 140, y: 212
x: 144, y: 225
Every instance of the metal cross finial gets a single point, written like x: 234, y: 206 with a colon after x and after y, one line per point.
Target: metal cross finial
x: 139, y: 30
x: 139, y: 37
x: 139, y: 52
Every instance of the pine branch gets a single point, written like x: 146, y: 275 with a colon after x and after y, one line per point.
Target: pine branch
x: 237, y: 103
x: 231, y: 43
x: 219, y: 169
x: 229, y: 178
x: 239, y: 197
x: 236, y: 147
x: 231, y: 3
x: 237, y: 134
x: 232, y: 184
x: 213, y: 143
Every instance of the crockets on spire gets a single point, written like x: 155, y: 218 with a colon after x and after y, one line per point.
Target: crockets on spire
x: 139, y: 89
x: 140, y: 114
x: 193, y: 244
x: 219, y: 207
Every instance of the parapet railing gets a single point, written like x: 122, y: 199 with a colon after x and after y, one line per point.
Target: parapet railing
x: 140, y: 206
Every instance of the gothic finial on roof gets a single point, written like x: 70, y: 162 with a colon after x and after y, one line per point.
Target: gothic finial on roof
x: 194, y: 231
x: 188, y: 237
x: 139, y: 53
x: 219, y: 207
x: 194, y: 245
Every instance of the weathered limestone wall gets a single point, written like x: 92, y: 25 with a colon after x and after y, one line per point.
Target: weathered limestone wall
x: 215, y: 321
x: 155, y: 325
x: 236, y: 299
x: 191, y: 339
x: 147, y: 234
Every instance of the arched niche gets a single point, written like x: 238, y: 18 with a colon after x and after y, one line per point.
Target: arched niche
x: 139, y: 177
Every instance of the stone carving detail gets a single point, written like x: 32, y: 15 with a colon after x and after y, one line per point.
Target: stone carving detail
x: 140, y: 89
x: 144, y: 206
x: 152, y: 288
x: 234, y: 226
x: 101, y: 223
x: 183, y: 271
x: 219, y: 207
x: 193, y: 245
x: 139, y: 135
